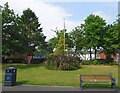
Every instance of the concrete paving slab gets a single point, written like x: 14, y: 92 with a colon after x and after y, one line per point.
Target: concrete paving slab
x: 53, y: 88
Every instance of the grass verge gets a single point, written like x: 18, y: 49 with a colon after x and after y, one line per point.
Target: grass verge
x: 39, y: 75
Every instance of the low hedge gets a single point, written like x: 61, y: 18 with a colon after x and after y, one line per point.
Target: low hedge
x: 13, y: 60
x: 97, y: 62
x: 22, y: 60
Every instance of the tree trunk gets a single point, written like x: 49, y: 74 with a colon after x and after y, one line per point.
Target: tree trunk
x: 108, y: 58
x: 90, y: 54
x: 95, y: 53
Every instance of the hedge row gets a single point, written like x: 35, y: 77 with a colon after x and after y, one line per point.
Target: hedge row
x: 97, y: 62
x: 22, y: 60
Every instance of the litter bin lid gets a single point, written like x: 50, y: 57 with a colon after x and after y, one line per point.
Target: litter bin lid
x: 11, y: 68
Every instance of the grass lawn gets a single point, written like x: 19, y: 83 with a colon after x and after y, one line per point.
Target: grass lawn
x: 39, y: 75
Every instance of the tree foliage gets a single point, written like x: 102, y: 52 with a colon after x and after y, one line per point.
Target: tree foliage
x: 9, y: 34
x: 52, y: 44
x: 93, y: 28
x: 21, y: 34
x: 58, y: 41
x: 111, y: 38
x: 31, y: 31
x: 61, y: 45
x: 77, y: 37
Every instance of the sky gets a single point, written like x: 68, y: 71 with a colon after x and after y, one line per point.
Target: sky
x: 51, y: 14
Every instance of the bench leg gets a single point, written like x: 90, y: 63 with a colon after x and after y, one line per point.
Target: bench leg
x: 114, y: 80
x: 113, y: 84
x: 80, y: 85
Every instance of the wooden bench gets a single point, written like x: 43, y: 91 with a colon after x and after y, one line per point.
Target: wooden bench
x: 98, y: 79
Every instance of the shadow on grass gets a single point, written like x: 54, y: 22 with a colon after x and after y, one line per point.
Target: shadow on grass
x: 21, y: 66
x: 18, y: 83
x: 97, y: 86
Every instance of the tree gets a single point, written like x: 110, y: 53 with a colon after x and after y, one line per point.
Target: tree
x: 60, y: 46
x: 78, y: 38
x: 68, y: 42
x: 93, y: 28
x: 21, y: 34
x: 33, y: 38
x: 53, y: 42
x: 111, y: 39
x: 9, y: 34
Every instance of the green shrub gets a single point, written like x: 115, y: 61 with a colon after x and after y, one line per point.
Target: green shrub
x: 86, y: 62
x: 95, y: 62
x: 70, y: 66
x: 112, y: 63
x: 91, y: 62
x: 51, y: 66
x: 68, y: 61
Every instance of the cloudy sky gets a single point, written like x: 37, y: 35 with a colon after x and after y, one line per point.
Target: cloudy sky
x: 52, y: 14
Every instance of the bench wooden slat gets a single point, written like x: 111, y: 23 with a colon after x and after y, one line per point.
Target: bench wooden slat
x: 95, y: 77
x: 96, y: 80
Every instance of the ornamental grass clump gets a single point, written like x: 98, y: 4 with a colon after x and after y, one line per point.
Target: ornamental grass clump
x: 68, y: 61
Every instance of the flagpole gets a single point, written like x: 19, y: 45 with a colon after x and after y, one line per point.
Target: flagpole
x: 64, y: 35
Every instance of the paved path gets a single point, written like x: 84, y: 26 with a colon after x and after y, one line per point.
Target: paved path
x: 52, y: 88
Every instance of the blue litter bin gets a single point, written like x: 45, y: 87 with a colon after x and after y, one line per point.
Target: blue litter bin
x: 10, y: 76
